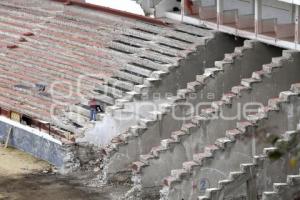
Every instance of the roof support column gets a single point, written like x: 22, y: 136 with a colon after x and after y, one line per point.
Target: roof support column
x: 182, y: 10
x: 297, y: 25
x: 257, y: 15
x: 252, y: 188
x: 220, y: 8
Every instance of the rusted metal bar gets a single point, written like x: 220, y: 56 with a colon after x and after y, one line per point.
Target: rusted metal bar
x: 113, y: 11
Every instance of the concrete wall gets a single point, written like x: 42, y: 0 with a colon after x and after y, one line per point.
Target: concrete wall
x: 67, y: 157
x: 212, y: 49
x: 244, y: 142
x: 37, y: 145
x: 204, y: 131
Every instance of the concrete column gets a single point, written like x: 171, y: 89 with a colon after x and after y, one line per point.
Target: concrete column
x: 297, y: 25
x: 251, y: 188
x: 220, y: 8
x: 182, y: 9
x: 257, y: 15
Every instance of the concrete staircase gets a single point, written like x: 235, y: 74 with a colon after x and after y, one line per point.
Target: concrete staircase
x: 287, y: 190
x: 249, y: 138
x: 158, y: 125
x: 257, y: 176
x: 210, y: 125
x: 143, y: 74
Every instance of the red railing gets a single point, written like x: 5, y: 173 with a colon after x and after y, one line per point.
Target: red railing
x: 208, y: 13
x: 271, y: 28
x: 285, y: 31
x: 191, y: 7
x: 267, y: 26
x: 246, y: 22
x: 229, y: 17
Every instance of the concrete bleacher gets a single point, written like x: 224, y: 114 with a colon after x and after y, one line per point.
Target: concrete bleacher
x: 215, y: 163
x: 193, y: 137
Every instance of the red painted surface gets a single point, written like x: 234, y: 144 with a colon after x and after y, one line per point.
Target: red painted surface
x: 112, y: 11
x: 189, y: 5
x: 12, y: 46
x: 28, y: 34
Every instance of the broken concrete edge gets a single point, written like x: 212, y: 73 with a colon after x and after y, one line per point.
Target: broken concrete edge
x: 67, y: 157
x: 246, y: 174
x: 243, y: 129
x: 29, y: 129
x: 32, y: 141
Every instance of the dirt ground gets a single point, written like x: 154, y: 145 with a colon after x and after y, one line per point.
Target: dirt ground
x: 22, y: 177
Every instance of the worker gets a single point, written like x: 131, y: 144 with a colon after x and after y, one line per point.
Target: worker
x: 95, y: 107
x: 189, y: 5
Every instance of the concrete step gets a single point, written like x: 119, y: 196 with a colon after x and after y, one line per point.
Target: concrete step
x: 128, y: 86
x: 129, y: 76
x: 107, y: 100
x: 283, y: 191
x: 229, y: 72
x: 80, y: 110
x: 268, y: 119
x: 108, y: 90
x: 139, y: 70
x: 248, y: 172
x: 77, y: 118
x: 215, y: 127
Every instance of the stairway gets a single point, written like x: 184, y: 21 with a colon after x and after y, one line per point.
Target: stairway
x: 282, y: 191
x: 204, y: 129
x: 248, y: 139
x: 258, y: 175
x: 149, y: 71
